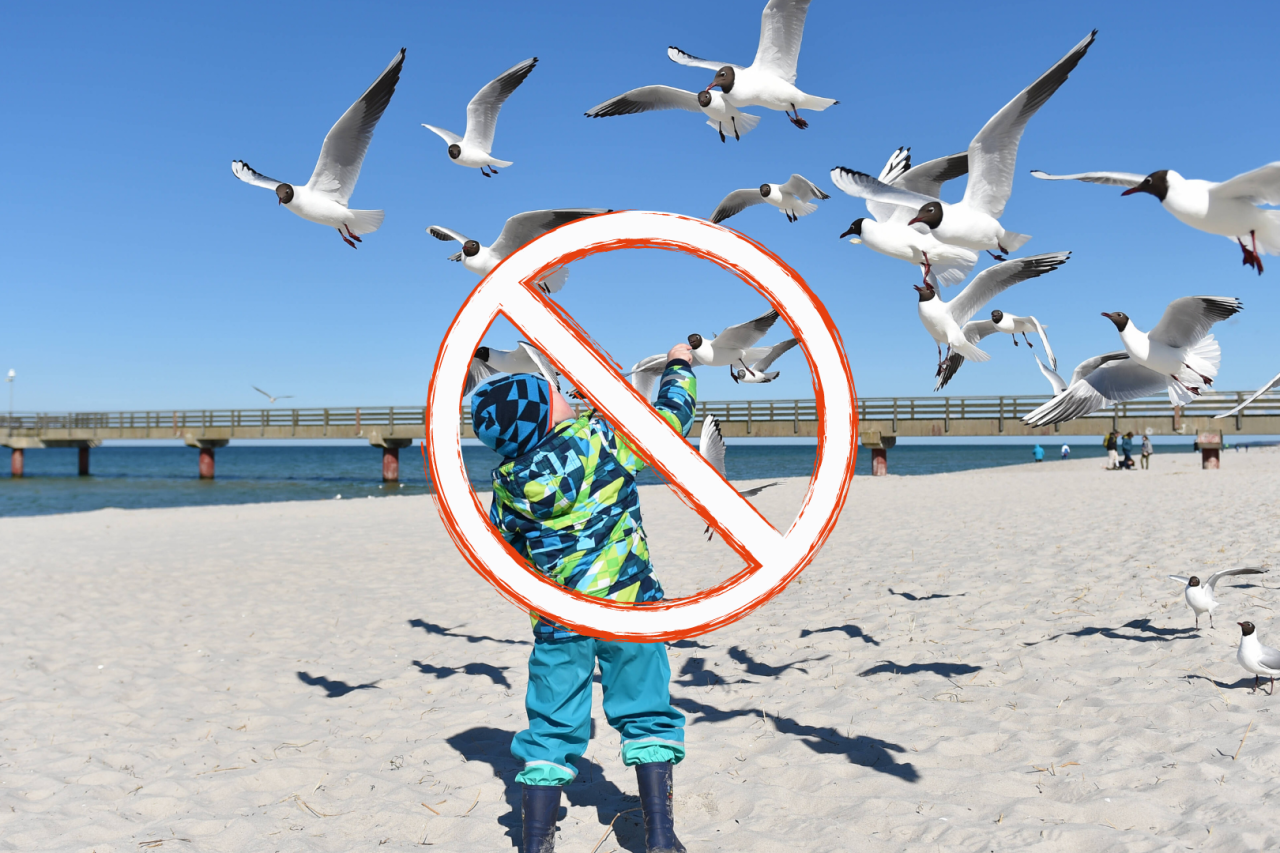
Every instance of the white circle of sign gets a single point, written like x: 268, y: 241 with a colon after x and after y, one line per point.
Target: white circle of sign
x: 772, y: 558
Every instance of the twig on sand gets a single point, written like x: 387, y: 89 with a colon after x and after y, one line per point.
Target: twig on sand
x: 473, y: 803
x: 428, y: 808
x: 608, y: 829
x: 1242, y: 740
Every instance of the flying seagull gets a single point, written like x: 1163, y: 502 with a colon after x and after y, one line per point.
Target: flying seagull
x: 1229, y: 209
x: 269, y: 397
x: 1083, y: 369
x: 794, y: 199
x: 711, y: 446
x: 721, y: 115
x: 734, y: 345
x: 1011, y: 325
x: 1256, y: 394
x: 759, y: 371
x: 324, y: 198
x: 472, y: 149
x: 525, y: 358
x: 1200, y: 595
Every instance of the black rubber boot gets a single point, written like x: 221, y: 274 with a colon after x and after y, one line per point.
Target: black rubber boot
x: 655, y: 800
x: 539, y: 805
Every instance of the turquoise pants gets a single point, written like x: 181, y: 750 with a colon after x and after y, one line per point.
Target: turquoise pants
x: 637, y: 702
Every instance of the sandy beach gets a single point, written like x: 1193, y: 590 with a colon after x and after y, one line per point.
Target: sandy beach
x: 985, y: 660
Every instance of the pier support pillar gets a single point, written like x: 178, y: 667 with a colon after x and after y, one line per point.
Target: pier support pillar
x: 84, y: 460
x: 1210, y: 444
x: 390, y: 455
x: 206, y: 463
x: 879, y: 445
x: 16, y: 462
x: 206, y: 447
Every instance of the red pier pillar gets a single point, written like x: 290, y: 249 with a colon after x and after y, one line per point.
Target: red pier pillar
x: 1210, y: 444
x: 15, y: 462
x: 879, y: 445
x: 390, y: 464
x: 84, y: 460
x: 206, y: 463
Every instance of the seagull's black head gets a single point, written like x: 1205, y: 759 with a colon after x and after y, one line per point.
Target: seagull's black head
x: 765, y: 189
x: 482, y: 353
x: 855, y: 228
x: 1156, y: 184
x: 724, y: 79
x: 695, y: 341
x: 1246, y: 628
x: 1120, y: 318
x: 997, y: 315
x: 930, y: 215
x: 284, y: 193
x: 704, y: 98
x: 471, y: 248
x: 1193, y: 581
x: 455, y: 151
x: 926, y: 292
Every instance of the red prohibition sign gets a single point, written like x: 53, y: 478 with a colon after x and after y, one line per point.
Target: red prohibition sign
x: 772, y: 557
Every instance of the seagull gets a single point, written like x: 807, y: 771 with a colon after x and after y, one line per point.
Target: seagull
x: 525, y: 358
x: 1082, y: 370
x: 973, y: 222
x: 770, y: 81
x: 269, y: 397
x: 887, y: 231
x: 720, y: 114
x: 1013, y: 326
x: 1256, y: 394
x: 1229, y: 209
x: 1200, y: 595
x: 733, y: 345
x: 944, y: 321
x: 1176, y: 356
x: 1256, y: 658
x: 520, y: 229
x: 711, y: 446
x: 794, y: 199
x: 324, y: 198
x: 472, y: 149
x: 758, y: 371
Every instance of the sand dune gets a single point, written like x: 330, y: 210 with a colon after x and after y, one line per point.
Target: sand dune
x: 979, y: 660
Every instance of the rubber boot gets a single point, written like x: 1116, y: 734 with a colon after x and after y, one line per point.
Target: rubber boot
x: 655, y: 800
x: 539, y: 805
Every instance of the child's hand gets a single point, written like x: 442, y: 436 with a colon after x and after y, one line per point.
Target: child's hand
x: 681, y: 352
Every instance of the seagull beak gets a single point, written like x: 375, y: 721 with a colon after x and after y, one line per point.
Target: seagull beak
x: 1107, y: 315
x: 918, y: 288
x: 1132, y: 190
x: 846, y: 234
x: 914, y: 221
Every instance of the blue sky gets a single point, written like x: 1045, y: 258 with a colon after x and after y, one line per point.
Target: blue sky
x: 139, y: 273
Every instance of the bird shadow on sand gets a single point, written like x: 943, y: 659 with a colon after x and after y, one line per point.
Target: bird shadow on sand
x: 334, y: 689
x: 1145, y: 633
x: 755, y: 667
x: 493, y: 673
x: 590, y: 789
x: 1244, y: 683
x: 864, y: 751
x: 946, y: 670
x: 441, y: 631
x: 853, y: 632
x: 909, y: 597
x: 695, y: 673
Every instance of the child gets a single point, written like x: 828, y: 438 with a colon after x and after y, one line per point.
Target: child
x: 566, y: 500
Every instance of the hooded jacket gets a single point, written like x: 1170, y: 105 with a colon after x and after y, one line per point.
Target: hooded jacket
x: 570, y: 505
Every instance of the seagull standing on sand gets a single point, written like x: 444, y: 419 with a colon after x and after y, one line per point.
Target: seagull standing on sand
x: 472, y: 149
x: 269, y: 397
x: 758, y: 372
x: 1229, y: 209
x: 770, y: 81
x: 520, y: 229
x: 1200, y: 595
x: 1256, y: 658
x: 973, y: 222
x: 888, y: 233
x: 721, y: 115
x: 794, y: 199
x: 711, y: 446
x: 946, y: 321
x: 324, y: 198
x: 1176, y: 356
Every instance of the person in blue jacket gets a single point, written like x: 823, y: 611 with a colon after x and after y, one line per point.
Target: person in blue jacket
x: 566, y: 501
x: 1038, y: 453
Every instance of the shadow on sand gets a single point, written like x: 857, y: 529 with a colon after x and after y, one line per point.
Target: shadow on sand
x: 441, y: 631
x: 1146, y: 633
x: 493, y: 673
x: 334, y: 689
x: 946, y: 670
x: 853, y: 632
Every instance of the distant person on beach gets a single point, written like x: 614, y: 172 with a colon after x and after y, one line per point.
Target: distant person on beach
x: 1037, y: 453
x: 1113, y: 458
x: 1146, y: 452
x: 1126, y: 446
x: 1066, y: 451
x: 566, y: 500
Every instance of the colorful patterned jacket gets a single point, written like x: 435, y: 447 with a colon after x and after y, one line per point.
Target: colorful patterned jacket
x: 571, y: 507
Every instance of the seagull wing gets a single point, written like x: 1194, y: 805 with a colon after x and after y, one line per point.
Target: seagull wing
x: 1261, y: 186
x: 736, y: 202
x: 523, y: 227
x: 244, y: 172
x: 645, y: 373
x: 711, y: 444
x: 1052, y: 375
x: 994, y: 151
x: 745, y: 334
x: 862, y: 185
x: 447, y: 135
x: 446, y: 234
x: 1044, y: 339
x: 675, y: 54
x: 545, y: 367
x: 482, y: 112
x: 1187, y: 320
x: 781, y: 28
x: 1111, y: 179
x: 976, y: 330
x: 1217, y: 576
x: 1089, y: 365
x: 646, y: 99
x: 1256, y: 394
x: 896, y: 166
x: 347, y: 141
x: 751, y: 493
x: 772, y: 355
x: 1269, y: 657
x: 1113, y: 382
x: 995, y: 280
x: 477, y: 373
x: 1180, y: 579
x: 949, y: 369
x: 928, y: 177
x: 260, y: 391
x: 803, y: 188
